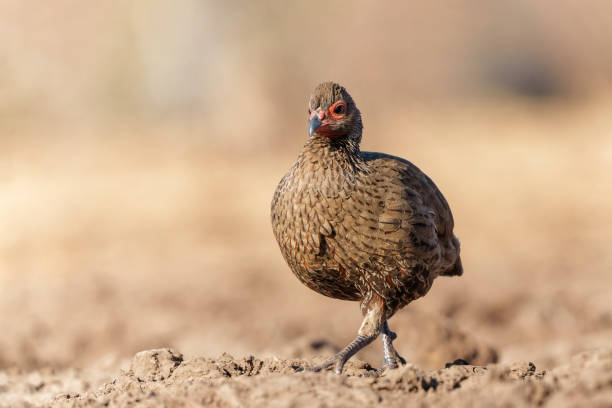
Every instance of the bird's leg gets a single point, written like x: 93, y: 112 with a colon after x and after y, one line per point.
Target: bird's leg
x: 368, y: 332
x: 392, y: 359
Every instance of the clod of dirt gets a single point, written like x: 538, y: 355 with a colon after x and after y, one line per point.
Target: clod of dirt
x: 155, y: 365
x: 458, y: 361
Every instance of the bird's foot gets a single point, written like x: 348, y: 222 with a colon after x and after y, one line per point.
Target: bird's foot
x: 392, y: 362
x: 342, y: 357
x: 388, y: 364
x: 323, y: 366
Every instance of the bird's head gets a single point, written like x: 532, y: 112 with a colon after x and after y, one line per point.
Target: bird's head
x: 333, y: 114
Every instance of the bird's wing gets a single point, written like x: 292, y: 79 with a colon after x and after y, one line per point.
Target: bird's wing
x: 399, y: 223
x: 409, y: 195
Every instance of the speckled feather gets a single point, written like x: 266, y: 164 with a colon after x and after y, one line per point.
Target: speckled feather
x: 351, y: 224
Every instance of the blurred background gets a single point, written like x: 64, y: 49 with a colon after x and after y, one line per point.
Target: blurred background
x: 141, y: 142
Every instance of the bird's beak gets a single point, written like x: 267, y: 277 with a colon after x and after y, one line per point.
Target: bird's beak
x: 314, y: 124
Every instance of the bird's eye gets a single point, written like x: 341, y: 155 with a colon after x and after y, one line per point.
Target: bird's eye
x: 337, y: 110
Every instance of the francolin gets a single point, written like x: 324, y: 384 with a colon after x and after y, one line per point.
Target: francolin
x: 361, y: 226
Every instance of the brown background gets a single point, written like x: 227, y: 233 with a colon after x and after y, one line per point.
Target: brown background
x: 141, y: 142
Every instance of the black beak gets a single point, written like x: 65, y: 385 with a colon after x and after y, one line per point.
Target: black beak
x: 314, y: 124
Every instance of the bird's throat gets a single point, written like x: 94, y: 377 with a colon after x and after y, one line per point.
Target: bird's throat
x: 327, y: 131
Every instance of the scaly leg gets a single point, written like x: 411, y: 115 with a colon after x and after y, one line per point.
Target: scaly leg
x: 392, y: 359
x: 342, y: 357
x: 368, y: 332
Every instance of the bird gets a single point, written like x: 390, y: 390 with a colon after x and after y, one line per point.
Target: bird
x: 360, y: 226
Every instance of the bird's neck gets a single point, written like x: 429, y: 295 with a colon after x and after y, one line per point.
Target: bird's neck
x: 328, y: 168
x: 340, y: 153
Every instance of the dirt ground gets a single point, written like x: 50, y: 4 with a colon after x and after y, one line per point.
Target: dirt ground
x: 163, y: 378
x: 148, y: 238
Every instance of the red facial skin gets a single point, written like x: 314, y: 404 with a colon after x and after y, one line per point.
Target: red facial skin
x: 329, y: 118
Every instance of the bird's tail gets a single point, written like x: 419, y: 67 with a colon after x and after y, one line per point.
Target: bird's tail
x: 455, y: 270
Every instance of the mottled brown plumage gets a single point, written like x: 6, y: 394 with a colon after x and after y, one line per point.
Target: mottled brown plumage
x: 359, y: 225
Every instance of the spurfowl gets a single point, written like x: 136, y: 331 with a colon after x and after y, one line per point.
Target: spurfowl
x: 359, y: 225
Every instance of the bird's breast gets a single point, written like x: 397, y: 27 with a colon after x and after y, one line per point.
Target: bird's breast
x: 306, y: 219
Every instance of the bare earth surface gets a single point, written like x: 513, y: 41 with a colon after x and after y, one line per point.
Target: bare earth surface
x: 162, y: 377
x: 149, y: 238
